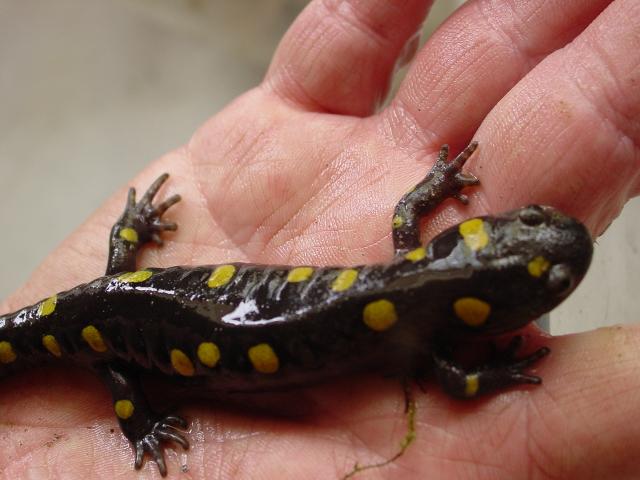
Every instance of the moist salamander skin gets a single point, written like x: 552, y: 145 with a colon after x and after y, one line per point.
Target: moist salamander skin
x: 239, y: 327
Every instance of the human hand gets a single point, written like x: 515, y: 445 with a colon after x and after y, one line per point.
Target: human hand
x: 301, y: 170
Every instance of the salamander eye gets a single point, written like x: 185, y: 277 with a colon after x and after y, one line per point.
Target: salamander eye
x: 532, y: 215
x: 560, y: 279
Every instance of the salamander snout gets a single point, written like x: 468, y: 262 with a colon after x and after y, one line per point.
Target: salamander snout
x: 529, y: 261
x: 563, y: 242
x: 516, y: 265
x: 553, y: 249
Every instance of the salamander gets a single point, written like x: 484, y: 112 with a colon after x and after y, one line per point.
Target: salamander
x: 240, y: 327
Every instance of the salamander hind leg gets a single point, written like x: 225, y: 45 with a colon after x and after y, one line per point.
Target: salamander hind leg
x: 506, y: 370
x: 445, y: 180
x: 140, y: 223
x: 146, y: 430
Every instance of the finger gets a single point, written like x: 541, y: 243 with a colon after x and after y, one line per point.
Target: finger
x: 338, y: 56
x: 568, y: 134
x: 153, y: 189
x: 164, y: 226
x: 166, y: 205
x: 168, y: 436
x: 469, y: 64
x: 175, y: 421
x: 131, y: 198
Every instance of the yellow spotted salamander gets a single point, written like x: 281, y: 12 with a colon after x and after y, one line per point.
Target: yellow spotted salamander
x: 241, y: 327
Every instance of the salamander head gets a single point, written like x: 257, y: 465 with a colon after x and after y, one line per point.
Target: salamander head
x: 522, y: 264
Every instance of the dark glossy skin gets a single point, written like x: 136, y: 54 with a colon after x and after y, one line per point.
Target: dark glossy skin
x: 243, y: 327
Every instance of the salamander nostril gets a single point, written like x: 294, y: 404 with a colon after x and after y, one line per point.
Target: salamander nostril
x: 560, y: 278
x: 532, y: 215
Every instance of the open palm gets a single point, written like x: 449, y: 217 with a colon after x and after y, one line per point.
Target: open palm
x: 304, y: 170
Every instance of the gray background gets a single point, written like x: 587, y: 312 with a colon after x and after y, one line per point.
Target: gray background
x: 93, y: 90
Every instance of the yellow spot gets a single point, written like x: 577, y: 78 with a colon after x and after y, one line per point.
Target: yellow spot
x: 129, y: 235
x: 299, y: 274
x: 398, y: 221
x: 181, y: 363
x: 93, y: 337
x: 50, y: 343
x: 538, y: 266
x: 135, y: 277
x: 221, y: 276
x: 124, y: 409
x: 472, y: 311
x: 416, y: 255
x: 48, y: 306
x: 472, y: 383
x: 344, y: 280
x: 263, y: 358
x: 379, y: 315
x: 7, y: 355
x: 474, y: 234
x: 209, y: 354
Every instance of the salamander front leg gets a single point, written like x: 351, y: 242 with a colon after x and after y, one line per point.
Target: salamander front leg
x: 139, y: 224
x: 505, y: 371
x: 445, y: 180
x: 145, y: 429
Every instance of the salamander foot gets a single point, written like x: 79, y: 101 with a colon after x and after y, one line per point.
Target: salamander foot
x: 145, y: 429
x: 452, y: 179
x: 140, y: 223
x: 146, y: 217
x: 504, y: 371
x: 445, y: 180
x: 163, y: 430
